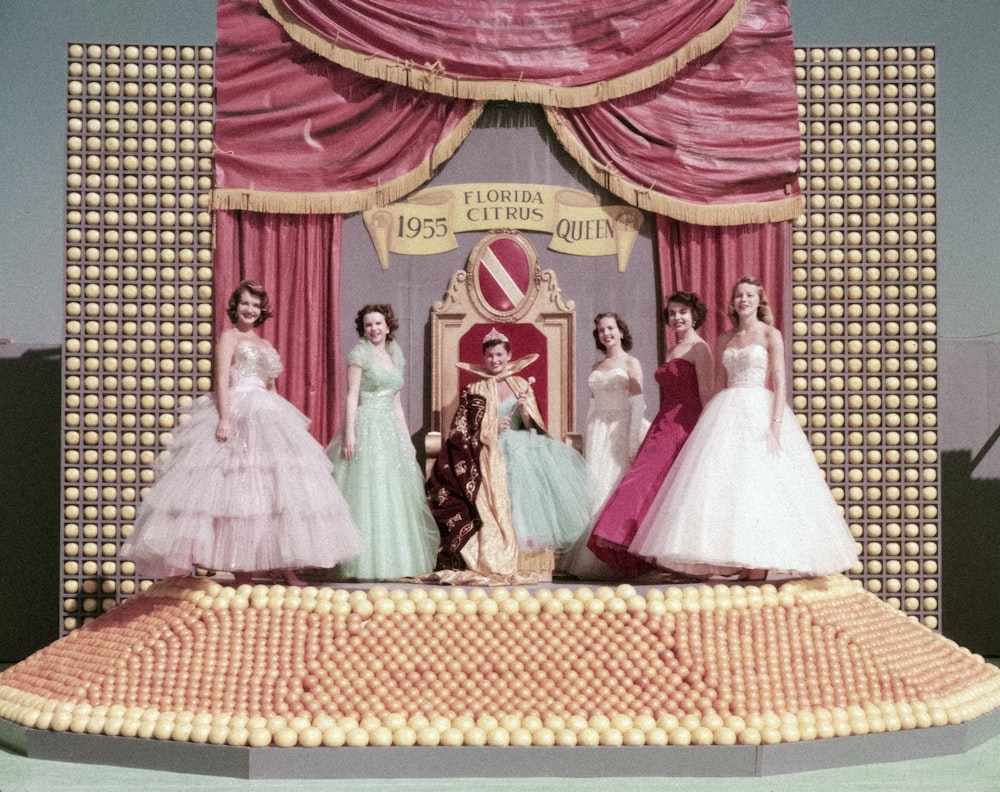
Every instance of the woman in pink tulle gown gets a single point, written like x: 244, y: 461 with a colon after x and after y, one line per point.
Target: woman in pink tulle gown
x: 244, y: 488
x: 685, y: 381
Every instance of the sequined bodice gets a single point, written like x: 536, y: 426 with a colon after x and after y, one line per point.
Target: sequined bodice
x: 610, y: 389
x: 253, y: 361
x: 745, y: 366
x: 379, y: 385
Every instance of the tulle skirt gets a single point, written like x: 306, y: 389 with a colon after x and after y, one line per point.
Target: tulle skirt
x: 264, y: 499
x: 384, y: 487
x: 731, y: 501
x: 547, y: 482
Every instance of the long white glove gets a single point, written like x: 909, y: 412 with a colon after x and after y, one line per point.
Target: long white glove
x: 637, y: 423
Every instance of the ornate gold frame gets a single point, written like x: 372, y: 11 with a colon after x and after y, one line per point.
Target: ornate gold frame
x: 464, y: 306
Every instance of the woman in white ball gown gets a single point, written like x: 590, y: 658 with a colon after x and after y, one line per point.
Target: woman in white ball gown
x: 244, y: 488
x: 746, y: 496
x: 616, y: 425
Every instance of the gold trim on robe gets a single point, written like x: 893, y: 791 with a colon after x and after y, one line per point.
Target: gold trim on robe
x: 491, y: 554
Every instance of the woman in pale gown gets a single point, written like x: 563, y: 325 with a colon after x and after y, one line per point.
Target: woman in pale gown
x: 244, y: 488
x: 374, y: 462
x: 615, y: 428
x: 746, y: 496
x: 685, y: 382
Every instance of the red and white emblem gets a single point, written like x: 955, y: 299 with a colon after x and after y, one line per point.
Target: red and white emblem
x: 504, y: 275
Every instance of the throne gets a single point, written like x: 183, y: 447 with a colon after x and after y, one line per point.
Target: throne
x: 502, y: 286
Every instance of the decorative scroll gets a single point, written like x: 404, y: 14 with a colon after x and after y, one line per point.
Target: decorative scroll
x: 426, y: 223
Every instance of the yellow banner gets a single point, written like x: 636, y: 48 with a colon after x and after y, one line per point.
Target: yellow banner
x: 426, y: 223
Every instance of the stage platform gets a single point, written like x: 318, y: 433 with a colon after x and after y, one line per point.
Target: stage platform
x: 499, y: 762
x: 410, y: 681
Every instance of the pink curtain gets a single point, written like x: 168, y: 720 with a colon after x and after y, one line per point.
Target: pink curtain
x: 511, y: 49
x: 692, y: 115
x: 709, y: 260
x: 296, y: 133
x: 298, y: 259
x: 718, y: 144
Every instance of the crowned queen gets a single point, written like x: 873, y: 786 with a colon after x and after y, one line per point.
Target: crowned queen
x: 507, y: 497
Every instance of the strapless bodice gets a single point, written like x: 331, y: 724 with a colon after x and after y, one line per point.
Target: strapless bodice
x: 610, y: 389
x: 745, y: 366
x: 254, y: 362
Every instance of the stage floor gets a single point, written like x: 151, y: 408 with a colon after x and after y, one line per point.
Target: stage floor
x: 500, y: 762
x: 415, y: 682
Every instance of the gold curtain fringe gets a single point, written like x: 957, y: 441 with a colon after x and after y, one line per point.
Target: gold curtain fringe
x: 648, y: 198
x: 431, y: 77
x: 348, y: 201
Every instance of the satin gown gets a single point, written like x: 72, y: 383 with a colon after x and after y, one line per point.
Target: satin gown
x: 383, y: 483
x: 732, y: 502
x: 680, y: 406
x: 608, y: 444
x: 611, y: 440
x: 262, y: 500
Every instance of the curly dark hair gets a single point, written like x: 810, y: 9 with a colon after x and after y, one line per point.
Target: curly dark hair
x: 391, y: 322
x: 764, y: 312
x: 256, y: 289
x: 622, y: 326
x: 692, y: 301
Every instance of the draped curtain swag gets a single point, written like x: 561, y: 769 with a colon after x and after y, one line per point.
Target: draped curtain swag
x: 714, y: 139
x: 718, y: 144
x: 296, y: 133
x: 566, y: 53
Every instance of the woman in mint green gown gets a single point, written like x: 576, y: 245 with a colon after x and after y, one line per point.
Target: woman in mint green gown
x: 374, y: 463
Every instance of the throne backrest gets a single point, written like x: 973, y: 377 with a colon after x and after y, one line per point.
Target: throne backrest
x: 502, y: 286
